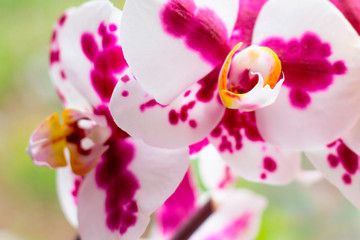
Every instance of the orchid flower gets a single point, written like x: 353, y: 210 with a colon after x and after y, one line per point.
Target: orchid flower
x: 108, y: 182
x: 339, y: 159
x: 234, y: 213
x: 208, y: 71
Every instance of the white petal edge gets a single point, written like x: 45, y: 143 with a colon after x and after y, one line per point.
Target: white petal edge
x: 65, y: 181
x: 330, y: 114
x: 84, y: 19
x: 152, y: 124
x: 327, y: 160
x: 157, y: 168
x: 164, y: 65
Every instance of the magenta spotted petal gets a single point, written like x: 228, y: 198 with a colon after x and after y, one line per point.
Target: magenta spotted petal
x: 121, y: 193
x: 178, y: 42
x: 68, y: 94
x: 316, y: 104
x: 89, y: 49
x: 131, y: 179
x: 242, y: 147
x: 352, y: 138
x: 340, y: 165
x: 186, y: 120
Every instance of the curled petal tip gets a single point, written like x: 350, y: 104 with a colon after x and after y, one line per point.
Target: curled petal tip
x: 250, y: 78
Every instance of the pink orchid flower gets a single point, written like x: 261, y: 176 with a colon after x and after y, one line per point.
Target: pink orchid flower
x: 108, y: 182
x: 193, y: 81
x: 235, y: 213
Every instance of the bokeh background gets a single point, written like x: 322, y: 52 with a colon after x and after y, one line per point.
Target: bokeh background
x: 29, y: 207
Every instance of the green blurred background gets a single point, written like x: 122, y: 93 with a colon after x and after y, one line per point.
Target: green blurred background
x: 29, y: 207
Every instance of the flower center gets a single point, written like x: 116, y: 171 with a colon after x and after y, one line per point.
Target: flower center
x: 250, y: 79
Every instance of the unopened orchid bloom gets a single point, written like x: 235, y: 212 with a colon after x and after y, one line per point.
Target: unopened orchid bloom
x: 211, y: 71
x: 108, y: 182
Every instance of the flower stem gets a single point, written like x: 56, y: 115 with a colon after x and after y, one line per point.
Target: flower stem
x: 194, y: 222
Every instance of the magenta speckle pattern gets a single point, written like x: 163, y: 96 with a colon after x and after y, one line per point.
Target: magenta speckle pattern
x: 333, y: 160
x: 187, y: 93
x: 125, y: 79
x: 306, y: 66
x: 175, y: 117
x: 54, y: 56
x: 149, y: 104
x: 113, y: 176
x: 344, y: 158
x: 200, y: 28
x: 62, y: 20
x: 193, y: 123
x: 269, y: 165
x: 208, y: 86
x: 231, y: 127
x: 347, y: 179
x: 107, y: 58
x: 190, y: 99
x: 119, y: 184
x: 55, y: 51
x: 75, y: 190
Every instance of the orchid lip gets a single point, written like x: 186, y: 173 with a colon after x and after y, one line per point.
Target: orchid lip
x: 250, y: 78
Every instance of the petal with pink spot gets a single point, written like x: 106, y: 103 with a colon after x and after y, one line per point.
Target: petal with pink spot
x: 186, y: 120
x: 352, y: 138
x: 248, y: 155
x: 238, y: 216
x: 320, y: 56
x: 89, y: 49
x: 179, y: 42
x: 132, y: 180
x: 68, y: 94
x: 340, y: 165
